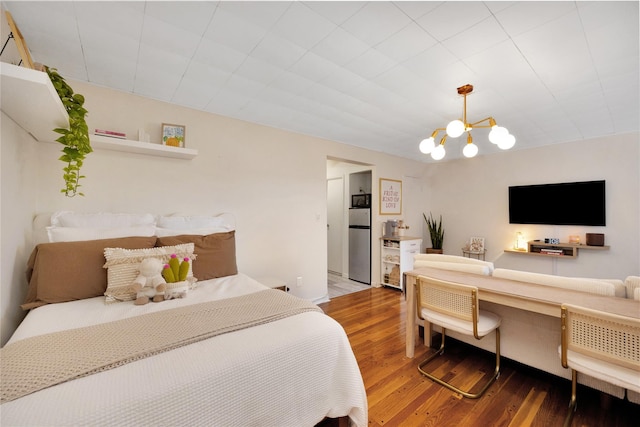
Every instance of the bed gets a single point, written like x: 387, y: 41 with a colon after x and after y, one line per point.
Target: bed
x: 292, y: 368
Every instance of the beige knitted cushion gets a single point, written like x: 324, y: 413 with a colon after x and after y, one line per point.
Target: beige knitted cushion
x: 122, y: 267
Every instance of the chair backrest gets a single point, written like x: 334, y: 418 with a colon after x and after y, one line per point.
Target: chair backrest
x: 448, y: 298
x: 600, y: 335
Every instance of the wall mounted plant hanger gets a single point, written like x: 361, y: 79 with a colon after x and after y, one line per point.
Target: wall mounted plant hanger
x: 15, y: 34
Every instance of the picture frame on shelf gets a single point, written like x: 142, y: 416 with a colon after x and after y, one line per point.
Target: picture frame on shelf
x: 173, y: 135
x: 476, y: 244
x: 390, y: 196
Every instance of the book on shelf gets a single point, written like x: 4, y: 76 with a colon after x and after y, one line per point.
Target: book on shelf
x: 552, y: 251
x: 111, y: 133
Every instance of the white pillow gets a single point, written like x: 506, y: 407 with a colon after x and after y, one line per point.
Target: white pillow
x: 201, y: 225
x: 164, y: 232
x: 100, y: 219
x: 184, y: 222
x: 73, y: 234
x: 122, y: 267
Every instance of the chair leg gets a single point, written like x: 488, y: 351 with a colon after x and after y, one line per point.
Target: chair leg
x: 466, y: 394
x: 574, y: 399
x: 433, y: 356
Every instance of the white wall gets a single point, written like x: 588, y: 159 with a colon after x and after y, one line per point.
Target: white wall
x: 273, y: 181
x: 18, y: 178
x: 472, y: 196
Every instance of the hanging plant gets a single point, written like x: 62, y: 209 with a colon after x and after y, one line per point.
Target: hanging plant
x: 76, y: 138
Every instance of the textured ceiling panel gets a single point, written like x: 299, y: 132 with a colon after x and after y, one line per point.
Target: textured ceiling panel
x: 381, y: 75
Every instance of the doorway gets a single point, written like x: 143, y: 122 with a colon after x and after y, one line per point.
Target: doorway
x: 344, y: 178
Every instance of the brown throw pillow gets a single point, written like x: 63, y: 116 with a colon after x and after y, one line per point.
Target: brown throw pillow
x: 68, y: 271
x: 216, y: 253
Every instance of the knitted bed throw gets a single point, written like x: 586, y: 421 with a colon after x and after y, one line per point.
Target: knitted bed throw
x: 43, y: 361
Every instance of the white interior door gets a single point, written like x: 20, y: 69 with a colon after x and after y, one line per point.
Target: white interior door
x: 335, y: 224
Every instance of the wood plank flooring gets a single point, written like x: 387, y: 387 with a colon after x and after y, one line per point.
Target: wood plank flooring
x: 399, y: 395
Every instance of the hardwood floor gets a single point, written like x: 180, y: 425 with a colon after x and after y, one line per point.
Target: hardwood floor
x: 399, y: 395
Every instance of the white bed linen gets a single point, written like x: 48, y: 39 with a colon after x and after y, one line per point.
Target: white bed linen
x: 292, y: 372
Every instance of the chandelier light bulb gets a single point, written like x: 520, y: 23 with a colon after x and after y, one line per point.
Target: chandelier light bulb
x: 438, y: 152
x: 455, y: 128
x: 497, y: 134
x: 470, y: 150
x: 427, y: 145
x: 507, y: 142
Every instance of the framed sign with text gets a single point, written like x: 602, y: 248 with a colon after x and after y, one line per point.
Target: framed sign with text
x: 390, y: 196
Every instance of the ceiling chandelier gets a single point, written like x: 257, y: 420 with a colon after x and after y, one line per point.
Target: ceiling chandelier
x: 498, y: 135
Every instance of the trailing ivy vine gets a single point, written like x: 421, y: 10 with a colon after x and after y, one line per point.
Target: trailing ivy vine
x: 76, y: 138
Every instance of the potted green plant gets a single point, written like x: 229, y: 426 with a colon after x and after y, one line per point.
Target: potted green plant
x: 436, y: 232
x: 76, y: 138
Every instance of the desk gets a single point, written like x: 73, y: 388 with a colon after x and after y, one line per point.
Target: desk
x: 525, y: 296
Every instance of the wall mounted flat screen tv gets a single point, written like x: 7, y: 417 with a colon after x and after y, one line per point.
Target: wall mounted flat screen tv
x: 568, y: 203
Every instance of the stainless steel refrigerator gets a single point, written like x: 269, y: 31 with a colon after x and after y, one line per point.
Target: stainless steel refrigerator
x: 360, y: 245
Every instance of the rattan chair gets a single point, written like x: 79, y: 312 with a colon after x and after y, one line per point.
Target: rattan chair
x: 602, y: 345
x: 455, y: 307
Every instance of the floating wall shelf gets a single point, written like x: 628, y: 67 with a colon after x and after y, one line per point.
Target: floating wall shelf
x: 139, y: 147
x: 29, y: 98
x: 564, y: 250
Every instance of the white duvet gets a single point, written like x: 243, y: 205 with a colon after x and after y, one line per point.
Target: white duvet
x: 292, y: 372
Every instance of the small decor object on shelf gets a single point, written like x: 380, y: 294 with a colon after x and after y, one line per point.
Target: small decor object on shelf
x: 548, y: 251
x: 595, y: 239
x: 575, y: 239
x: 173, y: 135
x: 476, y: 244
x: 521, y: 244
x: 401, y: 228
x: 143, y: 136
x: 110, y: 133
x: 475, y: 247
